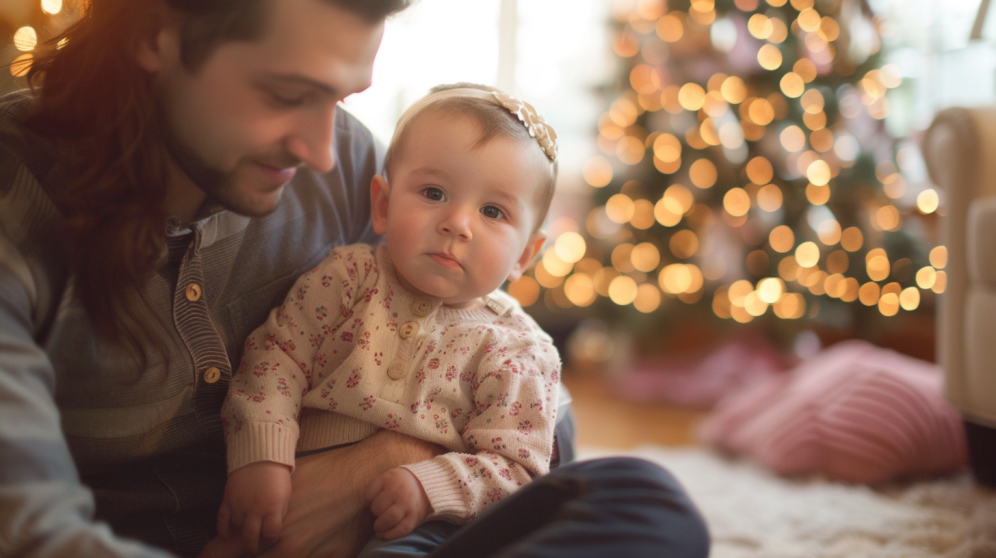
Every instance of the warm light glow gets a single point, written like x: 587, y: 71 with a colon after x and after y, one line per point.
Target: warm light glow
x: 838, y: 261
x: 926, y: 277
x: 554, y: 265
x: 779, y: 31
x: 819, y: 172
x: 829, y: 232
x: 669, y: 99
x: 648, y: 298
x: 769, y: 57
x: 769, y: 198
x: 812, y: 102
x: 878, y: 268
x: 887, y: 218
x: 55, y: 6
x: 25, y: 38
x: 782, y: 239
x: 570, y: 247
x: 667, y: 148
x: 927, y: 201
x: 525, y: 290
x: 691, y: 96
x: 792, y: 85
x: 754, y: 305
x: 623, y: 112
x: 736, y: 202
x: 817, y: 195
x: 809, y: 20
x: 852, y: 239
x: 703, y: 173
x: 680, y: 195
x: 815, y: 121
x: 645, y: 257
x: 715, y: 105
x: 869, y: 294
x: 643, y: 215
x: 668, y: 211
x: 807, y: 254
x: 806, y: 69
x: 21, y: 65
x: 580, y: 290
x: 788, y: 268
x: 731, y: 135
x: 739, y: 291
x: 770, y: 290
x: 821, y: 140
x: 644, y: 79
x: 793, y: 139
x: 941, y: 283
x: 670, y: 28
x: 909, y: 299
x: 597, y: 171
x: 623, y: 290
x: 759, y: 26
x: 680, y: 278
x: 545, y: 278
x: 621, y: 258
x: 620, y: 208
x: 791, y: 307
x: 760, y: 171
x: 630, y: 150
x: 939, y: 257
x: 761, y: 112
x: 734, y: 90
x: 603, y: 278
x: 830, y: 29
x: 684, y: 244
x: 888, y: 305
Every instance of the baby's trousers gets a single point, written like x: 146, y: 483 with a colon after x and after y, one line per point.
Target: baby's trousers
x: 608, y: 507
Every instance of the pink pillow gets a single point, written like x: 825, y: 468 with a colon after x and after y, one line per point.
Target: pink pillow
x: 854, y: 412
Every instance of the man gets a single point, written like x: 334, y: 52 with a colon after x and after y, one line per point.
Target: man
x: 179, y: 164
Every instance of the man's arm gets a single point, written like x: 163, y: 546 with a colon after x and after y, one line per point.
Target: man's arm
x: 328, y: 515
x: 44, y: 509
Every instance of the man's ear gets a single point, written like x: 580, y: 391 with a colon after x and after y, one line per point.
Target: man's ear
x: 159, y: 44
x: 533, y: 247
x: 380, y: 192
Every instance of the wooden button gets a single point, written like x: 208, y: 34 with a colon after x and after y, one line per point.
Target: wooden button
x: 408, y: 330
x: 212, y: 375
x: 397, y: 370
x: 193, y: 292
x: 422, y: 307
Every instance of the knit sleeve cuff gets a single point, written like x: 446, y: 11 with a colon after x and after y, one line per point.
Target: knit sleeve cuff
x: 262, y: 441
x: 442, y: 487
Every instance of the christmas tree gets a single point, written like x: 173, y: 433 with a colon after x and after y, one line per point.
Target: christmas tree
x: 746, y: 178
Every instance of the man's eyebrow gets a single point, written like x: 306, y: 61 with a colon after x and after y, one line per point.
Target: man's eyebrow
x: 300, y: 79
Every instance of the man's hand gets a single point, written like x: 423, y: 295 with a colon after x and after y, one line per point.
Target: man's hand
x: 328, y: 516
x: 399, y: 502
x: 255, y: 502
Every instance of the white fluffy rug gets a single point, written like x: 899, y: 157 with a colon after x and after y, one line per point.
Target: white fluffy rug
x: 753, y: 514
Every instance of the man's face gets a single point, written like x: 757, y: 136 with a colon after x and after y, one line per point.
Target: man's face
x: 240, y: 125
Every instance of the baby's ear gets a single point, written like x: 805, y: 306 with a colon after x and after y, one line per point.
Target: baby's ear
x: 533, y: 247
x: 380, y: 191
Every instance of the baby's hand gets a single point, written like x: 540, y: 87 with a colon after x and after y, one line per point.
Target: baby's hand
x: 399, y: 502
x: 255, y: 502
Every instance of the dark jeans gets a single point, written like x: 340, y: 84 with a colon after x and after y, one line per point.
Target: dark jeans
x: 601, y: 508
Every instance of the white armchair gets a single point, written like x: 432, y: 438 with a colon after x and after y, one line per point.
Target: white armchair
x: 960, y: 150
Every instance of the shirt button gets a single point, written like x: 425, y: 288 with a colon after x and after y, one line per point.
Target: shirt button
x: 193, y: 292
x: 397, y: 370
x: 422, y: 307
x: 408, y: 330
x: 212, y: 375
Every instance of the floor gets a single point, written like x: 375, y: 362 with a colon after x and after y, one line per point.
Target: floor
x: 605, y: 420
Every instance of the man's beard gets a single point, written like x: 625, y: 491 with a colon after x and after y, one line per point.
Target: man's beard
x: 220, y: 186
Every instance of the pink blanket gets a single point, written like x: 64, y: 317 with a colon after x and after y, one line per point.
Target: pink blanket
x: 854, y: 412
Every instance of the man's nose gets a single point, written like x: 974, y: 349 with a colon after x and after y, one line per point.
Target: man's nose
x: 312, y: 140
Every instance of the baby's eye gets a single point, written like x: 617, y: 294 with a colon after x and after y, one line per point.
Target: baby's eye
x: 492, y: 212
x: 434, y: 194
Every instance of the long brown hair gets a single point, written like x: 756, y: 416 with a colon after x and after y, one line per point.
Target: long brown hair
x: 91, y: 95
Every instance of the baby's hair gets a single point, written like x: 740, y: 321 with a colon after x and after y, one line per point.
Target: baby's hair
x: 494, y: 121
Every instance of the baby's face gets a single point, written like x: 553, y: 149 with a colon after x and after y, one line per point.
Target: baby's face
x: 459, y: 218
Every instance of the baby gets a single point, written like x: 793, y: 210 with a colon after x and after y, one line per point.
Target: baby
x: 413, y: 335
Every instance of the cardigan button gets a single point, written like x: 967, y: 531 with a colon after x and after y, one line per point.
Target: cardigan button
x: 408, y: 330
x: 397, y: 370
x: 193, y: 292
x: 422, y: 307
x: 212, y: 375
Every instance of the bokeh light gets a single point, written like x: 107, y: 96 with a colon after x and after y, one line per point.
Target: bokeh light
x: 703, y: 173
x: 939, y: 257
x: 807, y: 254
x: 782, y: 239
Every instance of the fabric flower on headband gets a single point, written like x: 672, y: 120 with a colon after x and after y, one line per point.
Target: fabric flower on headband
x: 536, y: 124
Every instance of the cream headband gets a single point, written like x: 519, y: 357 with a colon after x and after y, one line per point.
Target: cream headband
x: 534, y: 123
